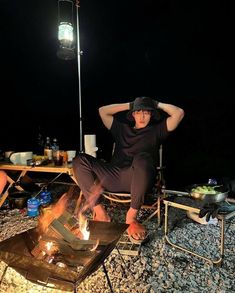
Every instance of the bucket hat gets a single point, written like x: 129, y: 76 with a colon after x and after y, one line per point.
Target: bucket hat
x: 143, y: 103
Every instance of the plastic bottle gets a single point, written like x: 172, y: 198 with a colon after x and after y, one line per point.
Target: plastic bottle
x: 33, y: 207
x: 48, y: 148
x: 45, y: 197
x: 55, y: 145
x: 212, y: 181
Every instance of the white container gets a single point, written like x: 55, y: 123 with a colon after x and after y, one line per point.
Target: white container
x: 90, y: 144
x: 71, y: 154
x: 20, y: 158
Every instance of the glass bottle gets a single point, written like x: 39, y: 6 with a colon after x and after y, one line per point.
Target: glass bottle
x: 48, y: 148
x: 55, y: 148
x: 40, y: 143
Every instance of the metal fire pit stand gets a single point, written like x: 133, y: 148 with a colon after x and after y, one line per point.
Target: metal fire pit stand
x: 74, y: 285
x: 221, y: 217
x: 18, y: 253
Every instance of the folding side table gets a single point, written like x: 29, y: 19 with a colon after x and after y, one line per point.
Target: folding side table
x: 221, y: 217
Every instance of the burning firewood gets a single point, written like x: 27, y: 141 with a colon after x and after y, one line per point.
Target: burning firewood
x: 53, y: 213
x: 60, y: 229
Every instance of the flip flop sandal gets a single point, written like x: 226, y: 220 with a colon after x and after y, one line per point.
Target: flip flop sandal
x: 135, y: 228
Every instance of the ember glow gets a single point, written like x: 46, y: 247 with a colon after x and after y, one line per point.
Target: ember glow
x: 49, y: 246
x: 50, y: 258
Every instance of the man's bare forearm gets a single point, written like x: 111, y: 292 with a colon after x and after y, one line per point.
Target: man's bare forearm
x: 114, y: 108
x: 176, y: 114
x: 107, y: 112
x: 169, y: 108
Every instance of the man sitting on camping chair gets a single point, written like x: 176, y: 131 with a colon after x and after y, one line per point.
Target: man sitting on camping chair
x: 133, y: 165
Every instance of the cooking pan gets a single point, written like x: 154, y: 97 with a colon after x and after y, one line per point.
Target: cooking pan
x: 220, y: 195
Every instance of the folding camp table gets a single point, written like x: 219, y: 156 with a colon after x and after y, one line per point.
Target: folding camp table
x: 23, y: 169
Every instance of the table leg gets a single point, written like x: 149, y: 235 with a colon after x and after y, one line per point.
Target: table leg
x: 73, y: 178
x: 11, y: 183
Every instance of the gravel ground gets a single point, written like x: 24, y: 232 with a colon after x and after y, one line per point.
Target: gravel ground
x: 158, y: 268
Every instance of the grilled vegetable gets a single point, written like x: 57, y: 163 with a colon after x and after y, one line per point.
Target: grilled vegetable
x: 205, y: 189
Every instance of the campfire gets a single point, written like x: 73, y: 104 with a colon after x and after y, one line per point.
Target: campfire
x: 59, y: 231
x: 63, y: 250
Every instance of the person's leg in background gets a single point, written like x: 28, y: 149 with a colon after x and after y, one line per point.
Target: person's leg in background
x: 3, y: 180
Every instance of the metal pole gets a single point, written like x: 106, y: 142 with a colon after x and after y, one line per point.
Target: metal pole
x: 79, y: 53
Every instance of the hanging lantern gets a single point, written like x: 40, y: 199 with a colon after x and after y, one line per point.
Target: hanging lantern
x: 69, y: 49
x: 65, y: 30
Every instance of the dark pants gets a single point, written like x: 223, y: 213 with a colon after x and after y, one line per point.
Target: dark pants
x: 137, y: 179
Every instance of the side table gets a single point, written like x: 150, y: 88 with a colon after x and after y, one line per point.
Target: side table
x: 221, y: 217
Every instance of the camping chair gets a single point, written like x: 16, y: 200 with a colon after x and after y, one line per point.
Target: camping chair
x: 152, y: 200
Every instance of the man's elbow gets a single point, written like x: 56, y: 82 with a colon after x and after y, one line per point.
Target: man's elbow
x: 174, y: 120
x: 101, y: 111
x: 181, y: 114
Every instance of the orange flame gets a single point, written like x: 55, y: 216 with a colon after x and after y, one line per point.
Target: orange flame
x: 55, y: 212
x: 83, y: 226
x: 59, y: 208
x: 95, y: 192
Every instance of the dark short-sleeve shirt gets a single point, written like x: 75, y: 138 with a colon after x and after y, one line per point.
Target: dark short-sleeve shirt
x: 130, y: 142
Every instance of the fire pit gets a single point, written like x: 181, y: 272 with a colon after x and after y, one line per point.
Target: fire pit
x: 68, y: 260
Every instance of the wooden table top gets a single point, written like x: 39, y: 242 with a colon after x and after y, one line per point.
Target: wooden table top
x: 66, y: 168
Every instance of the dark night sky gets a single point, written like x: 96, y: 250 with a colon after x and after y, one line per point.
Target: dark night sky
x: 181, y: 52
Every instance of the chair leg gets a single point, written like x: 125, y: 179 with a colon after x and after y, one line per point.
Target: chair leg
x: 156, y: 212
x: 159, y: 212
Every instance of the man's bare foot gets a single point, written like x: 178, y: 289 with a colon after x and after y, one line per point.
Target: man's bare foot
x: 100, y: 214
x: 137, y: 233
x: 135, y: 230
